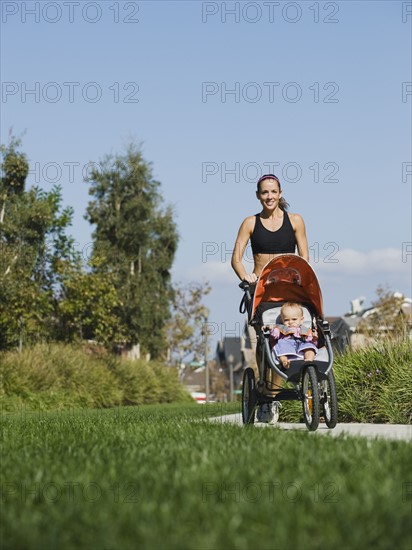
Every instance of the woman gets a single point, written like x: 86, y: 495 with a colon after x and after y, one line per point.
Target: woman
x: 271, y: 232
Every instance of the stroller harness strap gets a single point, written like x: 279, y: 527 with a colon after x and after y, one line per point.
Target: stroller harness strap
x: 302, y: 333
x: 297, y: 332
x: 264, y: 241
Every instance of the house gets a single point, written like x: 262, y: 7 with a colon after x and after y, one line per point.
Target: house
x: 193, y: 378
x: 230, y: 355
x: 344, y: 334
x: 345, y: 328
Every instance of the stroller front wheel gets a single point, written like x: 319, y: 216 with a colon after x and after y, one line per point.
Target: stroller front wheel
x: 329, y: 400
x: 249, y: 398
x: 310, y: 398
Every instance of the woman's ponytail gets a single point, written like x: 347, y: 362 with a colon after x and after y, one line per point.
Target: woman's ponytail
x: 283, y: 204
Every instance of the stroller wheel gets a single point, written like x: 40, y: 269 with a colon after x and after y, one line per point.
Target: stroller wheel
x: 310, y: 398
x: 329, y: 400
x: 249, y: 398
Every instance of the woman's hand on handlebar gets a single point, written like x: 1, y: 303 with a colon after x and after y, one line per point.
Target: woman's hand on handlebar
x: 250, y: 278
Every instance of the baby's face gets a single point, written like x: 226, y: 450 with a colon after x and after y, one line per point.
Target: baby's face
x: 292, y: 317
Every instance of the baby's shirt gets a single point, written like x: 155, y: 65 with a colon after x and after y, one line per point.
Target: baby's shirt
x: 302, y: 332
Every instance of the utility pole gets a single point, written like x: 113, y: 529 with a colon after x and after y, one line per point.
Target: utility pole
x: 206, y: 362
x: 230, y: 361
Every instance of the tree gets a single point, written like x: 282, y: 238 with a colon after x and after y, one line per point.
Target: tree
x: 386, y: 314
x: 33, y: 245
x: 187, y: 327
x: 88, y: 309
x: 135, y: 239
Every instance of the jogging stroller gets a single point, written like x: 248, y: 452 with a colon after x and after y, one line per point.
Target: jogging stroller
x: 289, y: 278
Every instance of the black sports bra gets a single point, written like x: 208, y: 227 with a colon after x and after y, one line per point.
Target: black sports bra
x: 264, y: 241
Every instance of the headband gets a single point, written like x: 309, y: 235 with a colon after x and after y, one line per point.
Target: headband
x: 268, y: 176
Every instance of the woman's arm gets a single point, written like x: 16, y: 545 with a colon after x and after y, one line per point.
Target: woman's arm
x: 300, y: 233
x: 242, y: 239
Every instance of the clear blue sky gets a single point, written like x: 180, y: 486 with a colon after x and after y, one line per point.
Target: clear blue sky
x: 217, y: 92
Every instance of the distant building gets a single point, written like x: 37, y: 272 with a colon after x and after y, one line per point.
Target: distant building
x: 230, y: 351
x: 193, y: 377
x: 345, y: 329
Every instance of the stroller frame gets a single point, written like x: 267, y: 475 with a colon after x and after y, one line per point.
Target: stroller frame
x: 313, y: 382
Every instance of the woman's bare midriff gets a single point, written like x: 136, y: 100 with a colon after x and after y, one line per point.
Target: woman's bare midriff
x: 261, y: 260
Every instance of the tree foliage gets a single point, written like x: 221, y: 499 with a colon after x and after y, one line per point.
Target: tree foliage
x: 33, y: 244
x: 123, y: 295
x: 88, y: 309
x: 386, y: 315
x: 187, y: 327
x: 135, y: 239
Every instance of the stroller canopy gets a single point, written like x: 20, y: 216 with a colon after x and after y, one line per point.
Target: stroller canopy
x: 288, y: 278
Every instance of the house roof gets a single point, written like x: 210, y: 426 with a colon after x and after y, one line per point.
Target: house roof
x: 332, y: 319
x: 349, y: 320
x: 230, y: 346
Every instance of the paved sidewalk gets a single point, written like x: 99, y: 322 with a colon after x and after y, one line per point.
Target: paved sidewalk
x: 387, y: 431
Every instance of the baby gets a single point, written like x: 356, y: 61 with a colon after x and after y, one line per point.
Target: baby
x: 291, y: 339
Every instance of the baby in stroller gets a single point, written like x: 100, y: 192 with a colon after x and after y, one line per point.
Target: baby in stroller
x: 291, y: 339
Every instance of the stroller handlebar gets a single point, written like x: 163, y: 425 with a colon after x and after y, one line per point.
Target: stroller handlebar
x: 244, y: 285
x: 246, y: 302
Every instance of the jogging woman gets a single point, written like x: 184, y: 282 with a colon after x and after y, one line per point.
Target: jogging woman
x: 271, y: 232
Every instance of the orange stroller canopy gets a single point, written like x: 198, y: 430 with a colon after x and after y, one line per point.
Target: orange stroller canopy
x: 288, y: 278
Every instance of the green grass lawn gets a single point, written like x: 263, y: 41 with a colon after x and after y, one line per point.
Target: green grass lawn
x: 154, y: 477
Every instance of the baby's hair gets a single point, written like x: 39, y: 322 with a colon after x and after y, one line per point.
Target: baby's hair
x: 283, y: 205
x: 292, y: 305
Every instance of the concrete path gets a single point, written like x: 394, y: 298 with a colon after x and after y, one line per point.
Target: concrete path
x: 387, y: 431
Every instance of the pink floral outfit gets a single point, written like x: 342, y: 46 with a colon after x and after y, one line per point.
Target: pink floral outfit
x: 292, y: 341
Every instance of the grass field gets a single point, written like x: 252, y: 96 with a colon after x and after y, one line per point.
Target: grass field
x: 163, y: 477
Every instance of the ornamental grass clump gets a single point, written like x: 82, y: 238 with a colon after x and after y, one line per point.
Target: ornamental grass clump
x: 374, y: 384
x: 143, y: 382
x: 57, y: 376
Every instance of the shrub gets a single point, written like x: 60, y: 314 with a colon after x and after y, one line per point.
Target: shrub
x: 145, y: 383
x: 374, y: 384
x: 63, y: 376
